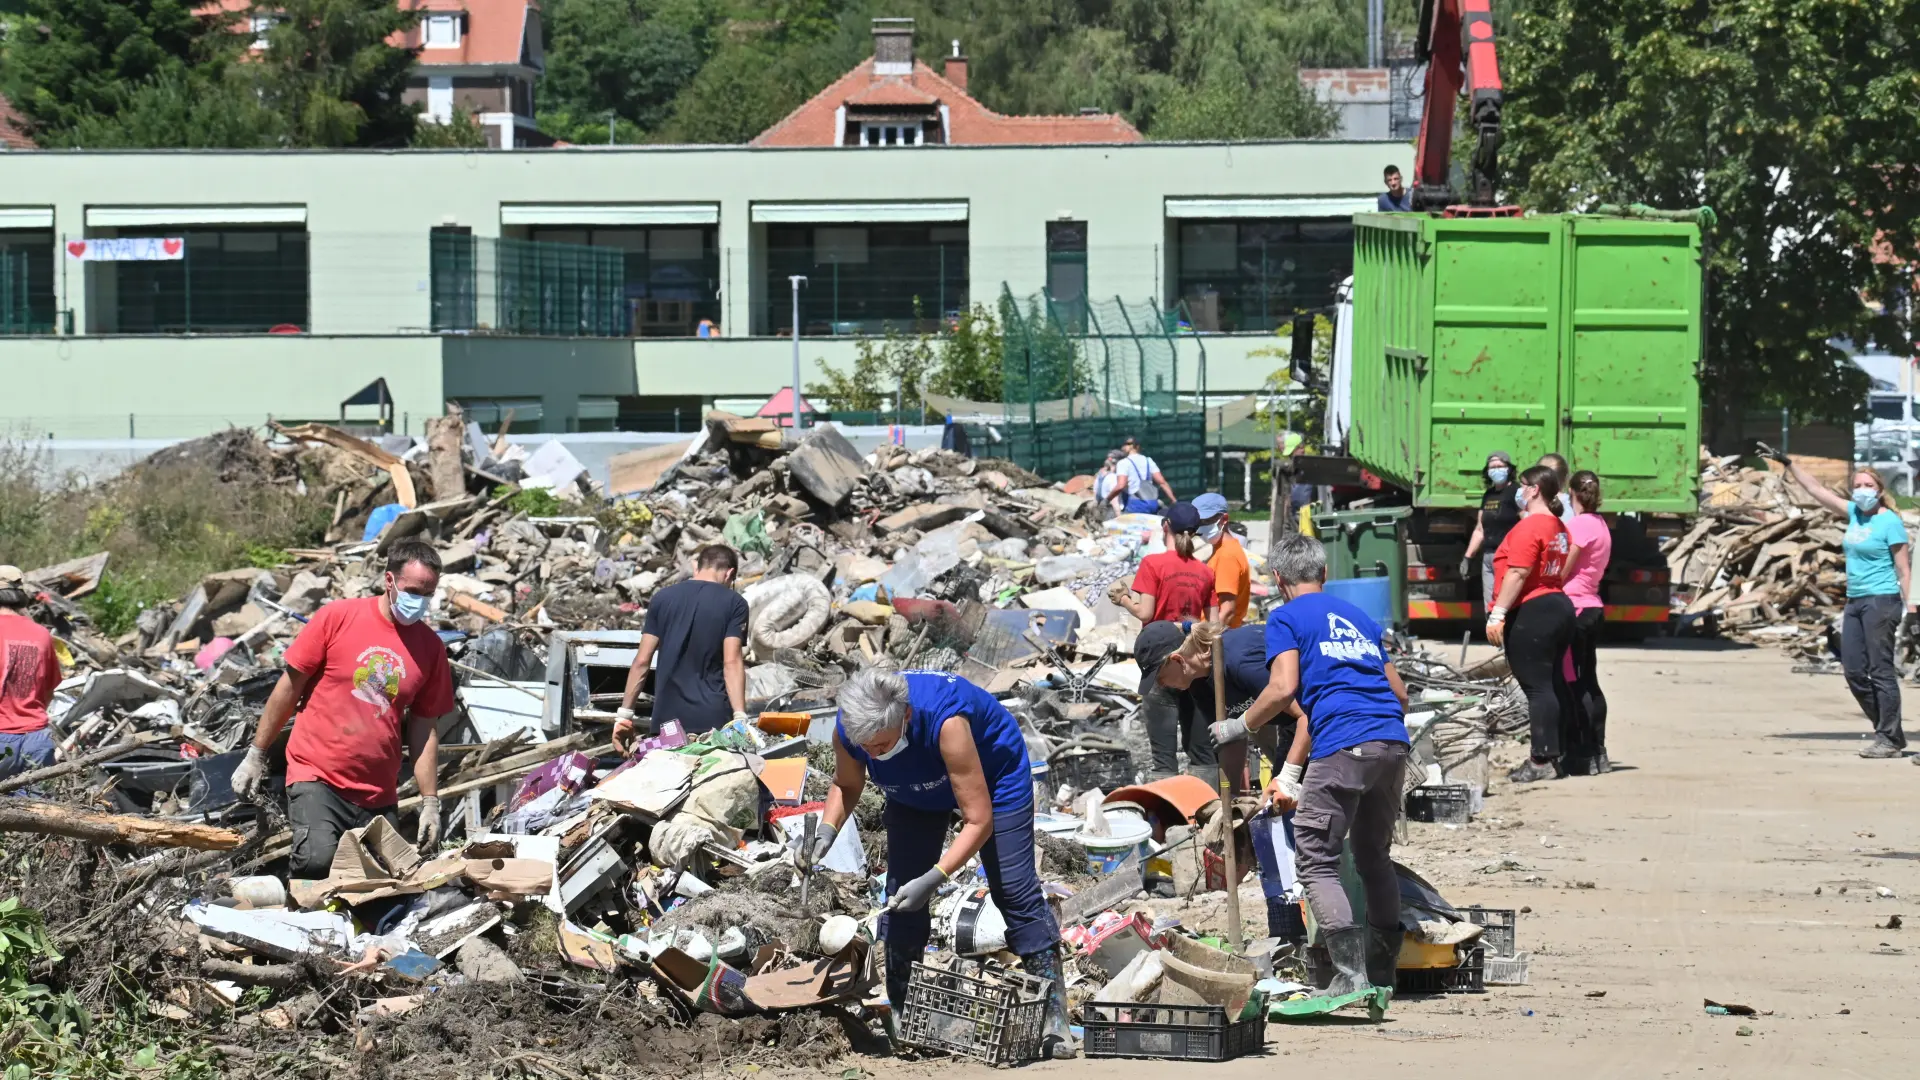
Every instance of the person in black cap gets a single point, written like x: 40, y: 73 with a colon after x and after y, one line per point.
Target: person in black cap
x: 1498, y: 514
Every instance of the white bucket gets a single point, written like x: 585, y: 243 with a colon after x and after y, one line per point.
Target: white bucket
x: 1106, y: 853
x: 971, y: 924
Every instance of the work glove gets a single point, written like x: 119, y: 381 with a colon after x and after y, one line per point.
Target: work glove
x: 1771, y: 454
x: 1230, y: 730
x: 1284, y: 793
x: 916, y: 894
x: 623, y: 713
x: 1468, y: 567
x: 822, y: 843
x: 743, y: 719
x: 622, y: 727
x: 428, y: 839
x: 250, y: 779
x: 1119, y: 590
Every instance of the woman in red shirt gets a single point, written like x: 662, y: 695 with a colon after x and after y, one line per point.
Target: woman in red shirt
x: 1170, y: 586
x: 1532, y: 618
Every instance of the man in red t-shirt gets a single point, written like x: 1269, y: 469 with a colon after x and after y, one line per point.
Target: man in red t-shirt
x: 29, y: 671
x: 360, y: 673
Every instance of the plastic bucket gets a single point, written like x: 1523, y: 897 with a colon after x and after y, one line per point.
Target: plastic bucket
x: 972, y: 924
x: 1372, y: 595
x: 1106, y: 853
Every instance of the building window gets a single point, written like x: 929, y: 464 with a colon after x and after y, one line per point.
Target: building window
x: 26, y: 281
x: 236, y: 279
x: 455, y: 293
x: 898, y: 134
x: 526, y: 412
x: 441, y: 31
x: 863, y: 279
x: 440, y: 99
x: 1067, y: 270
x: 260, y: 25
x: 1252, y: 275
x: 670, y: 276
x: 597, y: 414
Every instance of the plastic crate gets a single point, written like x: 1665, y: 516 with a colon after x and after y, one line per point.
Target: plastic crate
x: 975, y: 1009
x: 1172, y: 1032
x: 1508, y: 970
x: 1498, y: 937
x: 1450, y: 804
x: 1084, y: 770
x: 1469, y: 976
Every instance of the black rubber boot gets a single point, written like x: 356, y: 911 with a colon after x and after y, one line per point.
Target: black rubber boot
x: 1383, y: 955
x: 899, y: 969
x: 1056, y: 1042
x: 1348, y: 949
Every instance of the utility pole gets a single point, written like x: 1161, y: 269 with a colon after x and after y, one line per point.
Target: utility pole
x: 610, y: 120
x: 797, y: 280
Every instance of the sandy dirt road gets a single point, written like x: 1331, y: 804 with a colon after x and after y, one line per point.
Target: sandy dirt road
x: 1717, y: 857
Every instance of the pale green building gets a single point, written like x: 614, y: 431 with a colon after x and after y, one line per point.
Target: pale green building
x: 591, y: 289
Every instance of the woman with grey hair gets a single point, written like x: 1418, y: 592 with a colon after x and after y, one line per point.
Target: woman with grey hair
x: 936, y: 744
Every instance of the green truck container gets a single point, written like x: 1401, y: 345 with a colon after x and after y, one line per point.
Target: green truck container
x: 1570, y: 333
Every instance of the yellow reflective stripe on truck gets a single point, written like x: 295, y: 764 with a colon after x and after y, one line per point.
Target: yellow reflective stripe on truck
x: 1435, y: 609
x: 1637, y: 613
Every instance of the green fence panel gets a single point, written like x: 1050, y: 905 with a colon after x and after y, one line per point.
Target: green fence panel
x: 1063, y: 449
x: 569, y: 290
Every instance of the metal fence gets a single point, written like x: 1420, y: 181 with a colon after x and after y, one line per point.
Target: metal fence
x: 1090, y: 357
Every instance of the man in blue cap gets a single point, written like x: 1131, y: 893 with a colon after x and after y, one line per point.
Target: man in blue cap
x: 1232, y: 574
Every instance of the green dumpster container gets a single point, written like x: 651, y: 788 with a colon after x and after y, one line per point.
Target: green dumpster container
x: 1368, y: 543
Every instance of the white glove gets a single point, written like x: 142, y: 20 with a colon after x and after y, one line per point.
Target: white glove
x: 1230, y: 730
x: 250, y: 779
x: 623, y: 713
x: 1290, y: 777
x: 428, y: 839
x: 743, y: 719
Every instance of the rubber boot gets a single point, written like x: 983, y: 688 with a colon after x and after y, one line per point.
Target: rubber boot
x: 1210, y: 774
x: 899, y: 969
x: 1383, y: 955
x: 1348, y: 950
x: 1056, y: 1041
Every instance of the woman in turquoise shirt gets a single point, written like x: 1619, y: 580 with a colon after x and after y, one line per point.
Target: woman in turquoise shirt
x: 1877, y: 569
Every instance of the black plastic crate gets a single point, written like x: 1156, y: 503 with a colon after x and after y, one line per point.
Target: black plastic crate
x: 1086, y: 769
x: 1498, y: 935
x: 1469, y: 976
x: 1443, y: 803
x: 1172, y: 1032
x: 970, y: 1008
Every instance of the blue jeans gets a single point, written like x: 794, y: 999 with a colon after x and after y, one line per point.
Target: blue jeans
x: 25, y: 752
x: 915, y: 839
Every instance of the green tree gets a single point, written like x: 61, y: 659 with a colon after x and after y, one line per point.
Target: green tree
x: 884, y: 368
x: 461, y: 132
x: 180, y: 110
x: 1795, y: 125
x: 330, y: 73
x: 969, y: 358
x: 757, y: 76
x: 625, y: 57
x: 72, y: 61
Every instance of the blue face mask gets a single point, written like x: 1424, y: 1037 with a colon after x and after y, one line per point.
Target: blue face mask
x: 409, y: 608
x: 1522, y: 496
x: 1865, y: 500
x: 1498, y: 475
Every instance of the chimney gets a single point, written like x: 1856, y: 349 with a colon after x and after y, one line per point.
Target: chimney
x: 956, y: 67
x: 893, y: 46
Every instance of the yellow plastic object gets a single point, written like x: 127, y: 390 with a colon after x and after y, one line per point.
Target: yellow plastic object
x: 1415, y: 953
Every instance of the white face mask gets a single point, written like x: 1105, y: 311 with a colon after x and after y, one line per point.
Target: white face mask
x: 898, y: 745
x: 1210, y: 533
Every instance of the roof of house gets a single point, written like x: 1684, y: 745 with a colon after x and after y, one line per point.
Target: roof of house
x: 495, y: 33
x: 969, y: 123
x: 13, y: 128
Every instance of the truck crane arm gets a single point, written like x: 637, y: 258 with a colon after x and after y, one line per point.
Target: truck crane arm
x: 1456, y: 44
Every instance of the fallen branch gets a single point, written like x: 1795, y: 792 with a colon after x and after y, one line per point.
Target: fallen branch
x: 53, y: 772
x: 282, y: 977
x: 53, y: 819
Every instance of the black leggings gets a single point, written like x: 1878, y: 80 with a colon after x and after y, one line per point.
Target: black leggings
x: 1538, y: 633
x: 1588, y: 736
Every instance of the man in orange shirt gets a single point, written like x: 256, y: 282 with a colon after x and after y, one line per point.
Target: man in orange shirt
x: 1232, y: 575
x: 362, y: 673
x: 29, y: 671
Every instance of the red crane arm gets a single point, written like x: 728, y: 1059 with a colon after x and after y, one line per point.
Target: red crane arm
x: 1456, y: 42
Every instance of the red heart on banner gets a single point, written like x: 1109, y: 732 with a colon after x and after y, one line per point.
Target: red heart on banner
x: 172, y: 244
x: 76, y: 248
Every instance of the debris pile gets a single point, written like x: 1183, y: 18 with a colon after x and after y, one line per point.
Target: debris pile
x: 595, y: 903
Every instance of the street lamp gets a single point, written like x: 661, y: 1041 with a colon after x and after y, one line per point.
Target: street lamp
x: 796, y: 280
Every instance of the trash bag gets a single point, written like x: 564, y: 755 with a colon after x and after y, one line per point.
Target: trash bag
x: 787, y: 611
x: 747, y: 533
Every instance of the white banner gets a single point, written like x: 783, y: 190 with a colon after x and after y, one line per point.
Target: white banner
x: 129, y: 249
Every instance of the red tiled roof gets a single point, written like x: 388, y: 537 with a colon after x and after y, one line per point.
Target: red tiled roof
x: 495, y: 32
x: 969, y: 122
x: 13, y: 127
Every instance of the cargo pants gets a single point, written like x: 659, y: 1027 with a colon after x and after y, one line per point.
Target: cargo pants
x: 1351, y: 796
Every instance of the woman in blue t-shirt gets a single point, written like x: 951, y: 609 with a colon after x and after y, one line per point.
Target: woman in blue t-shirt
x: 1877, y: 572
x: 936, y: 744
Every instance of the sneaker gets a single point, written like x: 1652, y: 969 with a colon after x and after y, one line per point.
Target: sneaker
x: 1534, y: 770
x: 1880, y: 750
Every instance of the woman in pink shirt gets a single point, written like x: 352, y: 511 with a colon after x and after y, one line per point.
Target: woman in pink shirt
x: 1592, y: 547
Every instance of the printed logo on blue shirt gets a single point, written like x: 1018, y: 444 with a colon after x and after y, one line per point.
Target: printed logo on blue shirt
x: 1347, y: 643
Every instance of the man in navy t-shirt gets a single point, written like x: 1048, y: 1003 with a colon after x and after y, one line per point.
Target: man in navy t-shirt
x: 1329, y: 661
